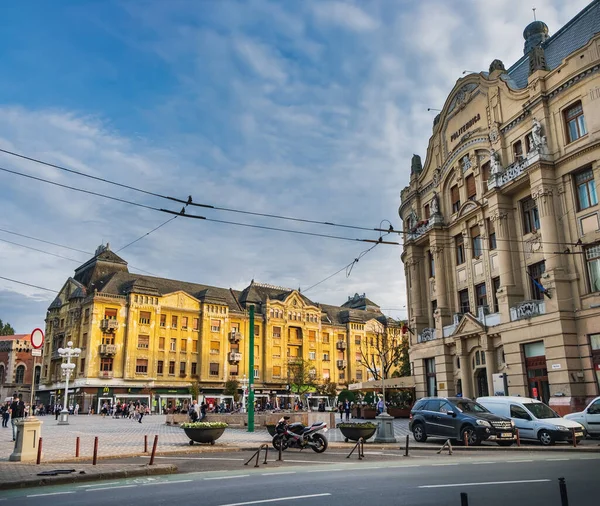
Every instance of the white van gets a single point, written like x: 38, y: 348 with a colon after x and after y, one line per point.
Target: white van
x: 534, y: 419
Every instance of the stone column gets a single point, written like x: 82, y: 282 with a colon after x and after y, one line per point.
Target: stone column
x: 490, y: 369
x: 413, y: 261
x: 465, y: 368
x: 437, y: 242
x: 544, y: 198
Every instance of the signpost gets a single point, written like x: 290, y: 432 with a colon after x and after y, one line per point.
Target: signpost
x: 37, y: 341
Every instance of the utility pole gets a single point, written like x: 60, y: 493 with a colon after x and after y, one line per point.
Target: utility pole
x: 251, y: 373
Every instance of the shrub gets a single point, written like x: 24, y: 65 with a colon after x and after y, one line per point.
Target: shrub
x: 204, y: 425
x: 356, y: 425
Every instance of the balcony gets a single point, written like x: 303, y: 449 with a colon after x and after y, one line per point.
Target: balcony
x: 234, y: 357
x: 515, y: 169
x: 234, y: 336
x: 342, y: 364
x: 427, y: 335
x: 107, y: 349
x: 341, y: 345
x: 527, y: 309
x: 483, y: 316
x: 419, y: 230
x: 109, y: 325
x: 106, y: 374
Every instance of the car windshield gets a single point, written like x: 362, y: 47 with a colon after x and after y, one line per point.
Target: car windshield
x: 470, y: 407
x: 541, y: 411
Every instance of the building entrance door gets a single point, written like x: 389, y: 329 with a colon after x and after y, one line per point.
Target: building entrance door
x: 481, y: 382
x: 537, y: 378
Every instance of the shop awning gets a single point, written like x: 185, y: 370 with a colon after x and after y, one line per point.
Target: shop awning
x: 391, y: 383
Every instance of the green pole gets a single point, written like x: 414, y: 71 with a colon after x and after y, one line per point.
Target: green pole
x: 251, y: 373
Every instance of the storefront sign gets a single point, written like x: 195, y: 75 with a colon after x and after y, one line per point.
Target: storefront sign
x: 556, y: 366
x: 465, y: 127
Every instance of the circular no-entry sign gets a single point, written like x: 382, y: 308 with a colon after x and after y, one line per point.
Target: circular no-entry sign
x: 37, y: 338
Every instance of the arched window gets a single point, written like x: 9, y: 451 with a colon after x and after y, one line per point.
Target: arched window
x: 1, y: 374
x: 20, y: 374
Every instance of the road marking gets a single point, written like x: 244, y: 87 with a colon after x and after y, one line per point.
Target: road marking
x: 438, y: 465
x: 556, y: 460
x: 193, y: 458
x: 50, y: 493
x: 277, y: 499
x: 483, y: 483
x: 324, y: 470
x: 370, y: 467
x: 411, y: 465
x: 517, y: 461
x: 279, y: 474
x: 312, y: 461
x: 97, y: 485
x: 228, y: 477
x: 166, y: 482
x: 476, y: 463
x: 109, y: 488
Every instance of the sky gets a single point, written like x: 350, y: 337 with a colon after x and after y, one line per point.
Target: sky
x: 308, y: 109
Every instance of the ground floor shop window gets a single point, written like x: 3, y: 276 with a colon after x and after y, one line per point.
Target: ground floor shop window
x: 537, y: 372
x: 595, y: 345
x: 430, y: 375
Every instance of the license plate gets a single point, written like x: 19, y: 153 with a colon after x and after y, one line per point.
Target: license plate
x: 506, y: 434
x: 578, y: 434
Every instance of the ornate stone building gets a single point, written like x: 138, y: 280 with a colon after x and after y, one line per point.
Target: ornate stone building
x: 502, y: 227
x: 17, y: 367
x: 151, y: 338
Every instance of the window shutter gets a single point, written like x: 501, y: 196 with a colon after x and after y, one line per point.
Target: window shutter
x: 455, y: 194
x: 471, y: 190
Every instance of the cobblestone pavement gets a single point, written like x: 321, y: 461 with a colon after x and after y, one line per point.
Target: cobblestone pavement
x: 126, y: 437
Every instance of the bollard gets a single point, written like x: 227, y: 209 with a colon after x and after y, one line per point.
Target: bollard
x: 574, y: 438
x: 154, y: 449
x: 95, y: 458
x: 406, y: 448
x: 466, y: 438
x: 518, y: 438
x: 280, y: 459
x: 562, y: 486
x: 146, y: 443
x: 77, y: 447
x: 464, y: 499
x: 39, y: 454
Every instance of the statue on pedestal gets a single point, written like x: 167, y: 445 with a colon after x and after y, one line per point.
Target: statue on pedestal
x: 494, y: 162
x: 538, y: 140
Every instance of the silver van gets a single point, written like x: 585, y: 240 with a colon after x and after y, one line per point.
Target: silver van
x: 534, y: 419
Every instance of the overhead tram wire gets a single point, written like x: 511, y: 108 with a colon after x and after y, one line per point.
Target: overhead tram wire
x: 41, y: 240
x: 186, y: 215
x: 147, y: 233
x: 189, y: 200
x: 28, y: 284
x: 41, y: 251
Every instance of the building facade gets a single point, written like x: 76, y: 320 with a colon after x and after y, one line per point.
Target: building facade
x: 152, y: 339
x: 17, y: 368
x: 502, y: 227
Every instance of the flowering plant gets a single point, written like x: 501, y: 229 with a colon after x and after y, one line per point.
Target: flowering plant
x: 356, y: 425
x: 204, y: 425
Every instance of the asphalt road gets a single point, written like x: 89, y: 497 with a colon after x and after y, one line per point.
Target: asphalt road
x: 488, y: 480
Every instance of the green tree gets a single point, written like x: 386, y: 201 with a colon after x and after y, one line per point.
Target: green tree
x: 231, y: 388
x: 404, y: 360
x: 328, y: 388
x: 194, y: 390
x: 382, y: 353
x: 6, y: 329
x: 302, y: 377
x: 346, y: 394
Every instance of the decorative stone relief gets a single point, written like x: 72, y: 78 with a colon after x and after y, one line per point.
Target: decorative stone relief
x: 494, y: 134
x: 539, y: 140
x: 466, y: 163
x: 533, y: 245
x: 543, y: 198
x: 437, y: 176
x: 427, y: 334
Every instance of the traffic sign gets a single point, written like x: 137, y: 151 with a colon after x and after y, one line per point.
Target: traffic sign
x: 36, y: 352
x: 37, y: 338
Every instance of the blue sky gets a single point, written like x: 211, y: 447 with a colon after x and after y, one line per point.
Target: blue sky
x: 304, y: 108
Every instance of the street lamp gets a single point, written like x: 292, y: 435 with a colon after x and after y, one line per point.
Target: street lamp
x: 244, y: 383
x: 67, y: 369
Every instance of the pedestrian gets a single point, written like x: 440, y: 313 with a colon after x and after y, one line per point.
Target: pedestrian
x: 57, y: 410
x: 5, y: 410
x: 347, y: 409
x: 380, y: 406
x: 17, y: 410
x: 202, y: 411
x: 77, y: 408
x: 141, y: 409
x: 194, y: 411
x: 341, y: 410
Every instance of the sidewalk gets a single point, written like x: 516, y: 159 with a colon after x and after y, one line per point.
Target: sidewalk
x: 18, y: 475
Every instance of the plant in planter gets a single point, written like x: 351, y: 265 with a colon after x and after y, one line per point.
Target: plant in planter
x: 204, y: 432
x: 355, y: 430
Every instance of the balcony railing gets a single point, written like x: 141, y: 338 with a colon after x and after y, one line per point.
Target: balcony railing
x: 419, y: 230
x: 341, y: 345
x: 342, y: 364
x: 107, y: 349
x: 427, y: 334
x: 109, y: 325
x: 235, y: 356
x: 512, y: 172
x: 527, y: 309
x: 106, y: 374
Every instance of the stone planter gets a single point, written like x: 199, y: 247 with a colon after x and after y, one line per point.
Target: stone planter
x: 208, y: 435
x: 399, y: 412
x: 369, y: 413
x: 178, y: 418
x: 355, y: 433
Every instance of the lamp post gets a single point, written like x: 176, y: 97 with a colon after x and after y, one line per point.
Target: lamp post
x: 244, y: 383
x: 67, y: 369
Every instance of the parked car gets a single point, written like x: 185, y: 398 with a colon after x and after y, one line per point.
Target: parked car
x: 457, y: 417
x: 589, y: 418
x: 534, y: 419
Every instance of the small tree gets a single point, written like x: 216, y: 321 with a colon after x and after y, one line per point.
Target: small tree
x: 346, y: 394
x: 382, y: 352
x: 231, y: 388
x: 194, y: 390
x: 302, y: 377
x: 6, y: 329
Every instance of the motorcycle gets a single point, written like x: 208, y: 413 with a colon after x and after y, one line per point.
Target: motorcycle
x: 296, y: 435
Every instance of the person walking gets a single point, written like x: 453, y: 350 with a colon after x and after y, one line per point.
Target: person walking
x: 347, y: 409
x: 341, y: 410
x: 5, y: 414
x: 141, y: 409
x: 202, y: 411
x: 17, y: 411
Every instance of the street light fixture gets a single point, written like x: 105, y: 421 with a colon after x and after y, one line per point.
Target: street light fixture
x: 67, y: 369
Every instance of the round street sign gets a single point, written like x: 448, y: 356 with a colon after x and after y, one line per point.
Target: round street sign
x: 37, y: 338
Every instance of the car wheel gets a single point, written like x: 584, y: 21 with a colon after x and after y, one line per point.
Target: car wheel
x: 419, y: 433
x: 505, y: 443
x: 545, y: 438
x: 471, y: 436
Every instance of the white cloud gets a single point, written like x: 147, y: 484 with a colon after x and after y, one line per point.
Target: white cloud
x: 262, y: 59
x: 345, y: 15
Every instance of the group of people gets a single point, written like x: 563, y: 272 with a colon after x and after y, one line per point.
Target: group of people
x: 196, y: 412
x: 131, y: 410
x: 13, y: 410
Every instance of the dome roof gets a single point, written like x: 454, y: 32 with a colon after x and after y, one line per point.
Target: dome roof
x: 56, y: 303
x: 534, y: 34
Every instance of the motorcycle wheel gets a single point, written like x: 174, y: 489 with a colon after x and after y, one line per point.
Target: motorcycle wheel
x: 320, y: 443
x: 279, y: 440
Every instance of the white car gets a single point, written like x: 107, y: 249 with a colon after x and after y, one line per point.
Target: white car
x: 589, y: 417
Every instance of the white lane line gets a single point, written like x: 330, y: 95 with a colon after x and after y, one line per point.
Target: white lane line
x: 228, y: 477
x: 311, y: 461
x: 98, y: 485
x: 193, y: 458
x: 109, y: 488
x: 166, y: 482
x: 512, y: 482
x: 50, y: 493
x: 277, y: 499
x: 438, y: 465
x: 279, y: 474
x: 517, y: 461
x: 401, y: 466
x: 324, y: 470
x: 476, y: 463
x: 556, y: 460
x: 370, y: 467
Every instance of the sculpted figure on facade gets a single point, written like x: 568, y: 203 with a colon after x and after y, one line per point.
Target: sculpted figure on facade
x: 494, y: 162
x: 539, y: 140
x: 435, y: 204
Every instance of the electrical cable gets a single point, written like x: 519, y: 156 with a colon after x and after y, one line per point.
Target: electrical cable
x: 189, y: 200
x: 147, y: 233
x: 28, y: 284
x: 41, y: 251
x: 41, y: 240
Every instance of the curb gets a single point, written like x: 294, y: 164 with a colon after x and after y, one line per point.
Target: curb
x: 39, y: 481
x: 482, y: 448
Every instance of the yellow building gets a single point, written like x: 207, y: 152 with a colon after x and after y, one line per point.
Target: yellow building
x: 152, y: 339
x: 502, y: 221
